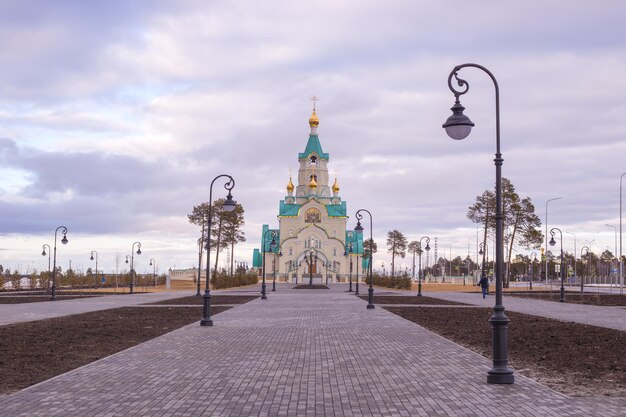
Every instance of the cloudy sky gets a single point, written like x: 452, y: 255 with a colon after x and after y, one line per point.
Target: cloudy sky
x: 115, y: 116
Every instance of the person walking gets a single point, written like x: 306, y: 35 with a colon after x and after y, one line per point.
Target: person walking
x: 484, y: 285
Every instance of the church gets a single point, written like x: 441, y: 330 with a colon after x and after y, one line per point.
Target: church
x: 311, y: 240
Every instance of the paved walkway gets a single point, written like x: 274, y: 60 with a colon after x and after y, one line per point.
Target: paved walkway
x: 299, y: 353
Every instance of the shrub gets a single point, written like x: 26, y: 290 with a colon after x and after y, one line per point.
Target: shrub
x: 222, y: 280
x: 402, y: 282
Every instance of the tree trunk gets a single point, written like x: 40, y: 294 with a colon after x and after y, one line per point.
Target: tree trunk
x: 505, y: 284
x: 393, y: 255
x: 219, y: 240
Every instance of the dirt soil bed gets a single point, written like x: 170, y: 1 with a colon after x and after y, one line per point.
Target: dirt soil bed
x: 408, y: 299
x: 575, y: 359
x: 35, y: 351
x: 312, y: 287
x: 215, y: 300
x: 595, y: 299
x: 21, y: 299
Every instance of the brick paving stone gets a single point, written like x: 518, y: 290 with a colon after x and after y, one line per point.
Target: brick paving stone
x: 299, y: 353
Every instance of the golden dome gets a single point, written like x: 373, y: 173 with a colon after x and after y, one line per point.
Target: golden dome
x: 336, y: 186
x: 313, y: 183
x: 290, y: 186
x: 313, y: 120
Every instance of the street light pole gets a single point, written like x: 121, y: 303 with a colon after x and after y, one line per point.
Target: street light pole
x: 43, y: 253
x: 54, y: 264
x: 552, y: 243
x: 359, y: 229
x: 357, y: 273
x: 552, y: 199
x: 228, y: 205
x: 615, y: 229
x: 419, y: 270
x: 621, y: 262
x: 581, y: 259
x: 200, y: 249
x: 272, y: 245
x: 132, y: 264
x: 350, y: 249
x: 91, y: 258
x: 575, y: 252
x: 153, y: 265
x: 458, y: 126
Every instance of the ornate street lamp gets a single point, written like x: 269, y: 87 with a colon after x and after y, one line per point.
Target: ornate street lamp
x: 280, y: 253
x: 350, y: 250
x: 419, y: 270
x: 458, y: 126
x: 546, y: 263
x: 63, y: 230
x: 200, y: 249
x: 562, y: 267
x: 43, y: 253
x: 228, y: 205
x: 359, y: 229
x: 272, y: 246
x: 621, y: 261
x: 92, y: 258
x: 615, y: 254
x: 581, y: 259
x: 153, y: 265
x: 357, y: 273
x: 132, y: 263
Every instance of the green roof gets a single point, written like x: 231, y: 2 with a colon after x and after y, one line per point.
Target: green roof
x: 337, y: 210
x: 313, y: 146
x: 288, y: 209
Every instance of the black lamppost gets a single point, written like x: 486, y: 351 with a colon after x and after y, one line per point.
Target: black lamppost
x: 359, y: 229
x: 458, y: 126
x: 43, y: 253
x: 132, y: 263
x: 272, y: 246
x: 419, y: 270
x: 532, y: 270
x: 63, y: 230
x: 280, y: 253
x: 200, y: 249
x: 310, y: 261
x: 357, y: 274
x: 92, y: 258
x: 581, y: 258
x: 228, y: 205
x: 562, y: 267
x: 153, y: 265
x: 350, y: 250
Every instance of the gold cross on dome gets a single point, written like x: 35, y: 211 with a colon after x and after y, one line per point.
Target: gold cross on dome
x: 314, y: 99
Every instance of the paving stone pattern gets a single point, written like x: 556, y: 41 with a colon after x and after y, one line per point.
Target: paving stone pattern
x: 299, y: 353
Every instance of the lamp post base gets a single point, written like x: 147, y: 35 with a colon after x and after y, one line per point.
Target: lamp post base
x: 357, y: 288
x: 500, y: 378
x: 500, y: 373
x: 263, y: 295
x: 419, y: 288
x: 206, y: 310
x: 274, y: 286
x: 54, y: 293
x: 370, y: 299
x: 131, y: 287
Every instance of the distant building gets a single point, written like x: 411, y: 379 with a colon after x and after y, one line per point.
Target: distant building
x: 311, y: 238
